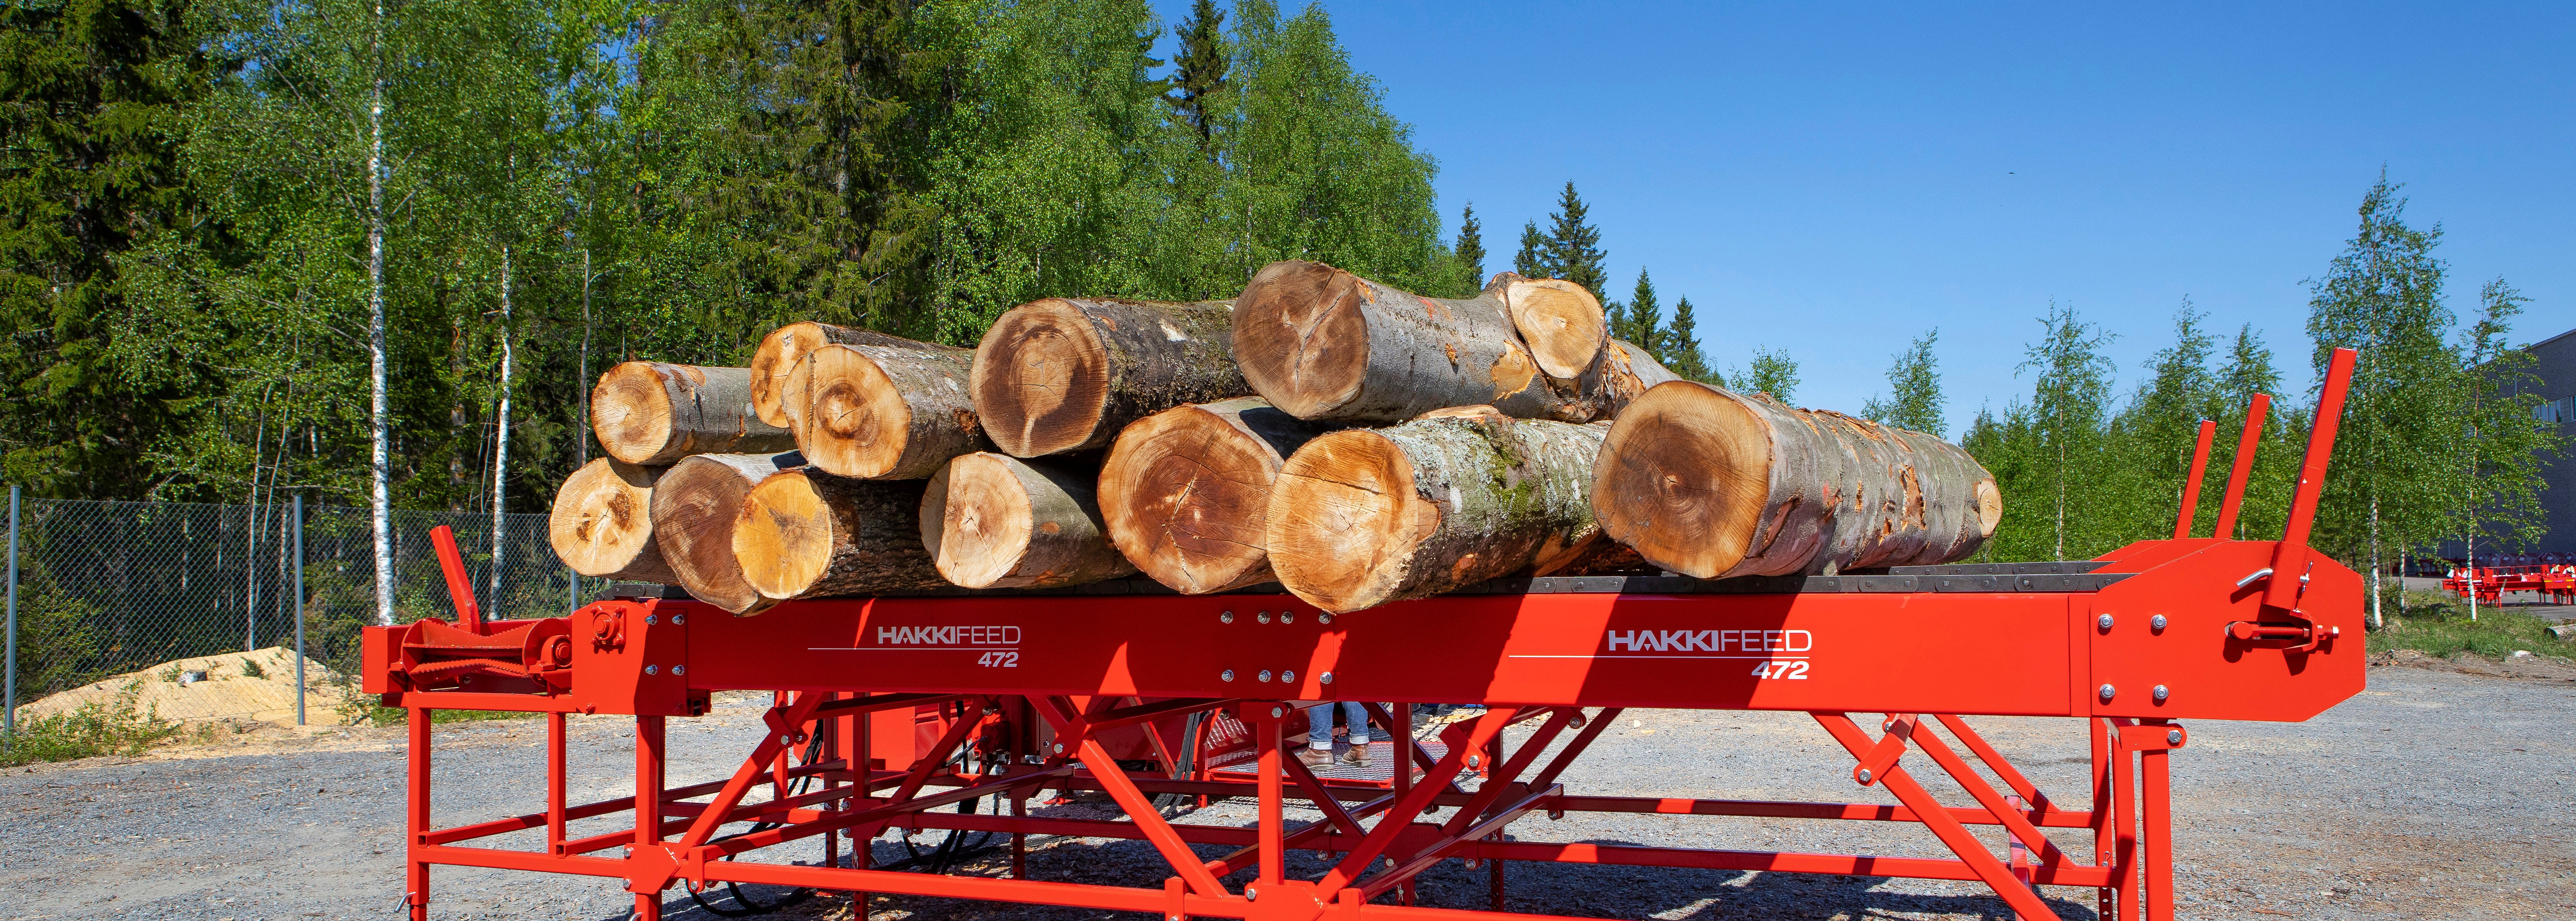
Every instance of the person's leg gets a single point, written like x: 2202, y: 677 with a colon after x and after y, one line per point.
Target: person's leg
x: 1319, y: 735
x: 1357, y: 714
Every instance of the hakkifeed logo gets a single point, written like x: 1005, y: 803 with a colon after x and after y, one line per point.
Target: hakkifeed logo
x: 953, y: 637
x: 1716, y: 641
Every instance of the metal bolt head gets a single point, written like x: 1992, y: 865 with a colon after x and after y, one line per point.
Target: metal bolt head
x: 679, y: 669
x: 1059, y: 748
x: 1471, y: 760
x: 2159, y: 693
x: 652, y: 669
x: 1864, y: 775
x: 2104, y: 621
x: 678, y: 619
x: 1287, y: 617
x: 629, y: 851
x: 1225, y: 618
x: 1226, y: 675
x: 1262, y: 616
x: 1325, y: 678
x: 2174, y: 737
x: 1277, y: 712
x: 1263, y: 676
x: 2107, y: 692
x: 652, y: 618
x: 1323, y: 617
x: 1287, y: 676
x: 1251, y: 894
x: 2156, y: 623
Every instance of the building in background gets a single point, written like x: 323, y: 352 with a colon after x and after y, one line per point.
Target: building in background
x: 2555, y: 366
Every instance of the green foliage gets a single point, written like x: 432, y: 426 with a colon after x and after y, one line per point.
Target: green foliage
x: 1914, y: 390
x: 1199, y: 71
x: 1772, y: 372
x: 1531, y: 261
x: 2503, y: 443
x: 2047, y: 453
x: 1680, y: 341
x: 2438, y: 624
x: 1470, y: 249
x: 110, y: 727
x: 1572, y: 249
x: 1638, y: 320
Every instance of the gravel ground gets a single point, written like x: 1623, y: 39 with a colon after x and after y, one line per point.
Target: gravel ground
x: 2432, y: 793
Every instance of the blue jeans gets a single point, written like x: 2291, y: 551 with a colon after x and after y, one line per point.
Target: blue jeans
x: 1319, y: 724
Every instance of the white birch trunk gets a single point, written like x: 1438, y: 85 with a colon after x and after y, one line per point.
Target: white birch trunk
x: 379, y: 436
x: 501, y: 448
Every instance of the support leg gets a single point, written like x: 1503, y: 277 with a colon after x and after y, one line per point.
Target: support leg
x: 556, y: 767
x: 1268, y: 737
x: 2106, y: 906
x: 1494, y: 879
x: 648, y: 805
x: 417, y: 877
x: 2124, y: 830
x: 2156, y: 858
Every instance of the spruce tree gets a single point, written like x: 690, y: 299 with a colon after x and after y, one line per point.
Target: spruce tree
x: 1199, y: 69
x: 1637, y: 321
x: 1531, y: 261
x: 1914, y: 390
x: 1681, y: 353
x: 1573, y: 248
x: 1470, y: 251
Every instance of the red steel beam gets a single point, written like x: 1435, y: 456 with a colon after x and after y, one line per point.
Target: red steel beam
x: 1766, y: 861
x: 2282, y: 590
x: 2241, y: 468
x: 2191, y: 483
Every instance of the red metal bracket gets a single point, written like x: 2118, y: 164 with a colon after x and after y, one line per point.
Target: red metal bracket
x: 2191, y: 483
x: 460, y: 589
x: 1875, y: 764
x: 2241, y: 470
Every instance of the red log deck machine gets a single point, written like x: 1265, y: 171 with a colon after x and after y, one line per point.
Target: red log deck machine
x: 887, y: 709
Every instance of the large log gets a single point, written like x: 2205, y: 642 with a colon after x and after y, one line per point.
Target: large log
x: 1186, y: 491
x: 881, y: 412
x: 651, y: 412
x: 1363, y: 517
x: 602, y: 523
x: 1062, y: 375
x: 994, y: 521
x: 808, y: 534
x: 1713, y: 483
x: 1324, y: 344
x: 786, y: 347
x: 696, y: 506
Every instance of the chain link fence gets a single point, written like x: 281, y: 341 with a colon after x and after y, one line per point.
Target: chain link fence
x: 106, y: 588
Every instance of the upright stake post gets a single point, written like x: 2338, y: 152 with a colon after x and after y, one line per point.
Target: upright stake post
x: 11, y: 701
x: 2191, y: 484
x: 299, y: 609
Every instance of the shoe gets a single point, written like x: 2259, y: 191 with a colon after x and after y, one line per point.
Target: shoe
x: 1314, y: 757
x: 1356, y: 754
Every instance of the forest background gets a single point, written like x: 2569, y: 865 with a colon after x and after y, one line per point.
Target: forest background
x: 375, y: 252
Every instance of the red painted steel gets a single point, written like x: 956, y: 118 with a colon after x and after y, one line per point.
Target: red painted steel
x: 2241, y: 469
x: 2191, y: 481
x: 2289, y: 572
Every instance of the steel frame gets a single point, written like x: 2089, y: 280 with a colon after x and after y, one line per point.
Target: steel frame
x: 1028, y: 696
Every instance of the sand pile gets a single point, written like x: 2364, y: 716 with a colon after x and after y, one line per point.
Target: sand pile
x: 235, y: 685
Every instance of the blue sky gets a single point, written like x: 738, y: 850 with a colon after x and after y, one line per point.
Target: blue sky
x: 1834, y: 179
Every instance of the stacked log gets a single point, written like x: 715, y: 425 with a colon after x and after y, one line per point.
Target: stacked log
x: 602, y: 523
x: 1063, y: 375
x: 995, y: 521
x: 696, y: 506
x: 785, y: 348
x: 884, y: 412
x: 1711, y: 483
x: 654, y: 413
x: 804, y: 533
x: 1185, y: 493
x: 1363, y: 517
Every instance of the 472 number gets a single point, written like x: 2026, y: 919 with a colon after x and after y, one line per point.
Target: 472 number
x: 1794, y: 671
x: 999, y: 659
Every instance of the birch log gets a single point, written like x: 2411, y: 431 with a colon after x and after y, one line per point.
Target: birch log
x: 881, y: 412
x: 602, y: 523
x: 696, y: 506
x: 995, y: 521
x: 1062, y: 375
x: 808, y: 534
x: 786, y: 347
x: 1185, y: 492
x: 650, y: 412
x: 1324, y: 344
x: 1712, y: 483
x: 1363, y: 517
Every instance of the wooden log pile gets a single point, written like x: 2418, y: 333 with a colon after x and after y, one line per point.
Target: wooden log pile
x: 1354, y: 442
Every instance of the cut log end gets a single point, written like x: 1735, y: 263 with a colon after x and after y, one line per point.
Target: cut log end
x: 1184, y: 494
x: 1683, y: 479
x: 1041, y: 379
x: 631, y: 412
x: 856, y: 422
x: 1301, y: 337
x: 601, y: 524
x: 982, y: 527
x: 696, y: 506
x: 783, y: 540
x: 1562, y: 323
x: 777, y: 356
x: 1344, y: 516
x: 1990, y: 508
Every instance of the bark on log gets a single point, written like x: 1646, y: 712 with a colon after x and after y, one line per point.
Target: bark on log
x: 649, y: 412
x: 1324, y: 344
x: 696, y: 506
x: 1712, y: 483
x: 994, y: 521
x: 786, y: 347
x: 808, y: 534
x: 602, y: 523
x: 884, y: 413
x: 1062, y: 375
x: 1362, y: 517
x: 1186, y: 492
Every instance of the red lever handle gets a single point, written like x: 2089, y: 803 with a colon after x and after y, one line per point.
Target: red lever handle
x: 2283, y: 591
x: 460, y: 589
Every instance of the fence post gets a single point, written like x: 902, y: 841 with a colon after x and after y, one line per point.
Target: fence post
x: 299, y: 609
x: 11, y: 699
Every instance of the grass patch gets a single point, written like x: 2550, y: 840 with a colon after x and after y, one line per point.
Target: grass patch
x: 362, y: 708
x: 111, y: 727
x: 2437, y: 624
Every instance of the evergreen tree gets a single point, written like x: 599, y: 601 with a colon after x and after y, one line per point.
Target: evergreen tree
x: 1681, y: 354
x: 90, y: 99
x: 2383, y: 297
x: 1573, y: 247
x: 1638, y: 321
x: 1914, y: 390
x: 1772, y: 372
x: 1199, y: 70
x: 1470, y: 251
x: 1531, y: 261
